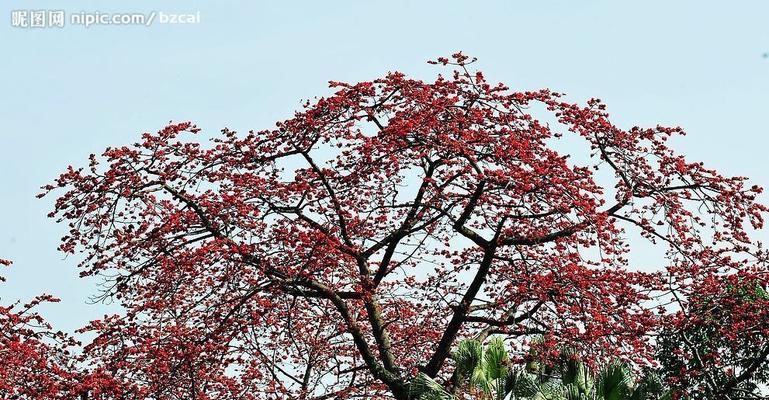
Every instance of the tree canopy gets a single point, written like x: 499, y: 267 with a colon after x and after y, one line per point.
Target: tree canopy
x: 348, y: 250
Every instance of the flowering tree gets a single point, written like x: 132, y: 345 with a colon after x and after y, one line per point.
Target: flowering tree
x: 346, y: 251
x: 34, y: 360
x: 718, y: 346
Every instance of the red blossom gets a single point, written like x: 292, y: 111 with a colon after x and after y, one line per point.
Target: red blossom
x: 354, y: 244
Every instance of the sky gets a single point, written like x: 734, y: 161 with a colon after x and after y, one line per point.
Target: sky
x: 68, y: 92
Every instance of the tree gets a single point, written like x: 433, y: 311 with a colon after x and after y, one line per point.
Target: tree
x: 345, y: 252
x: 488, y: 374
x: 34, y: 359
x: 718, y: 346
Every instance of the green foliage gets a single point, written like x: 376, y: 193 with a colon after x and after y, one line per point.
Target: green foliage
x: 486, y: 374
x: 425, y: 388
x: 487, y: 370
x: 614, y: 382
x: 715, y: 352
x: 649, y: 387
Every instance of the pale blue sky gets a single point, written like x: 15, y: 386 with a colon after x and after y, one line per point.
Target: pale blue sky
x: 66, y: 93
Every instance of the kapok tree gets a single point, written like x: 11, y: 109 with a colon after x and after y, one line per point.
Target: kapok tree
x: 346, y: 251
x: 35, y: 362
x: 717, y: 347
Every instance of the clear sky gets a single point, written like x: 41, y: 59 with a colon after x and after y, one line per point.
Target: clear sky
x: 68, y: 92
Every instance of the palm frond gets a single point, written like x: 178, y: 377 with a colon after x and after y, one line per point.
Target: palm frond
x: 425, y: 388
x: 614, y: 382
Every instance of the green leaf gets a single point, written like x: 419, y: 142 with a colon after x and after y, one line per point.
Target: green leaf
x: 495, y: 359
x: 425, y: 388
x: 614, y: 382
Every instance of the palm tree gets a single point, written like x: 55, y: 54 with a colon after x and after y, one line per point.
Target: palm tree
x: 616, y: 381
x: 487, y: 374
x: 425, y: 388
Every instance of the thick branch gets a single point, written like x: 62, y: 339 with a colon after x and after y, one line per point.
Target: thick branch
x: 460, y: 315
